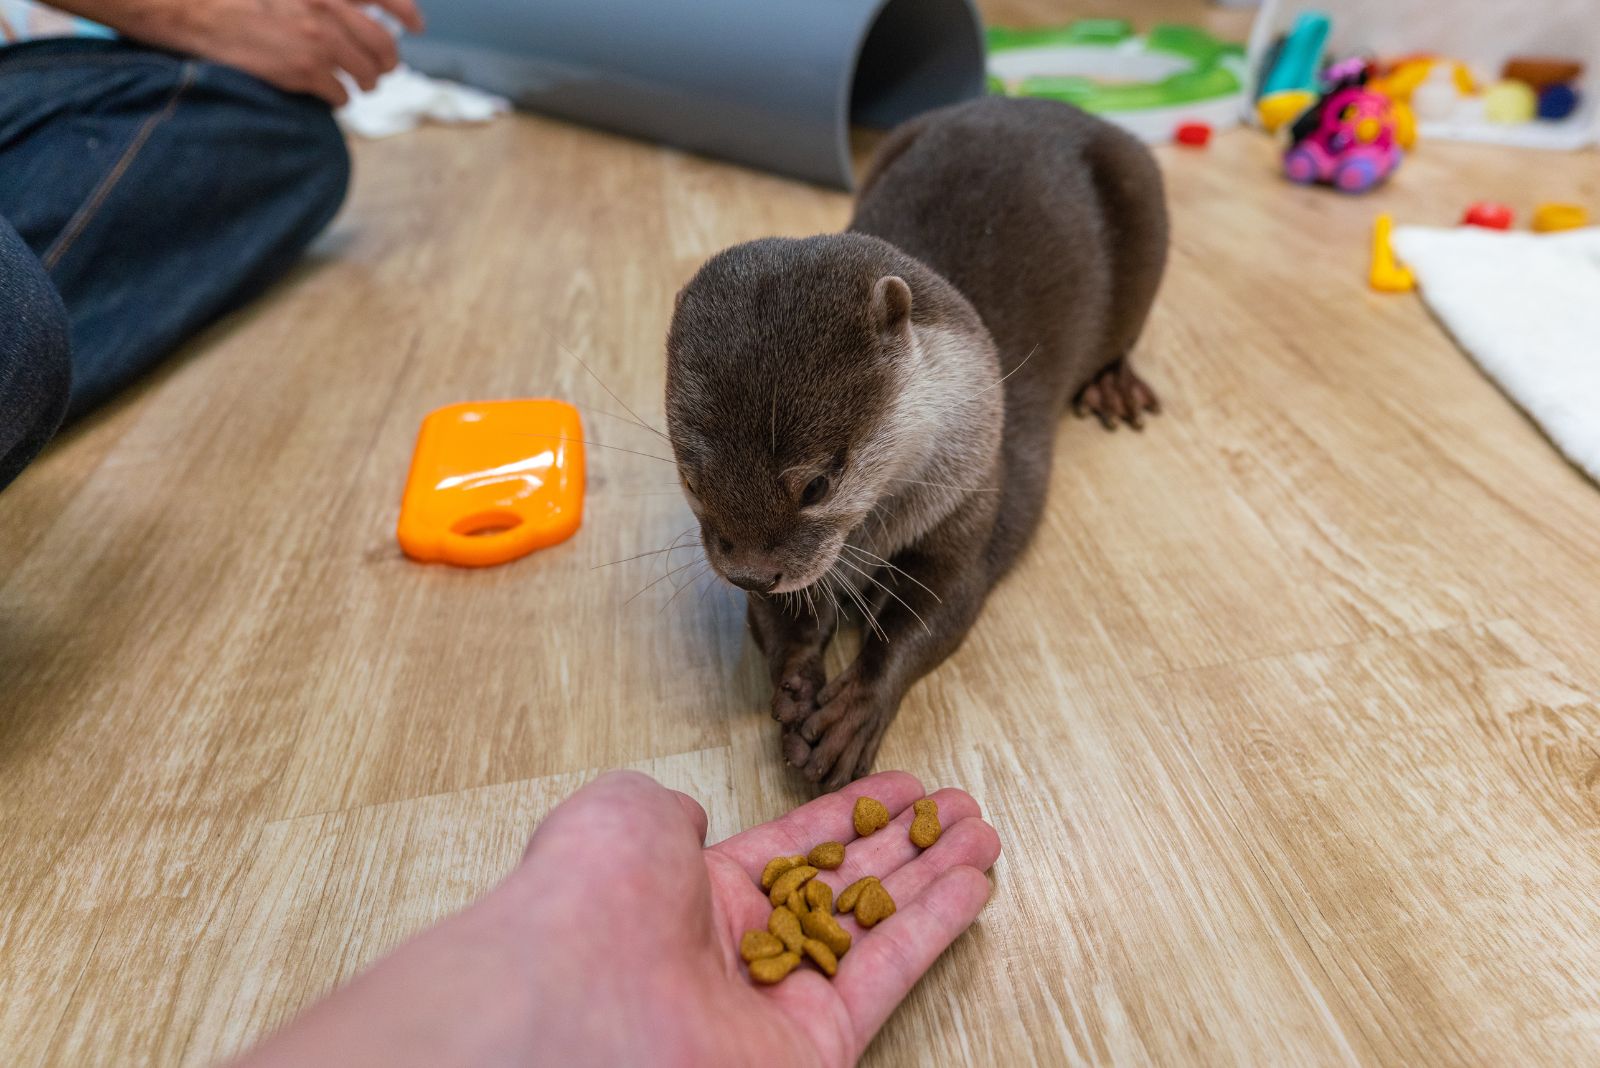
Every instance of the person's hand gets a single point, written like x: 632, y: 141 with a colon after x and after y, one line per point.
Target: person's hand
x: 659, y: 918
x: 296, y: 45
x: 615, y: 942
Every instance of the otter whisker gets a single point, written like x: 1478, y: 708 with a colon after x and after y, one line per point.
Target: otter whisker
x: 852, y: 591
x: 653, y: 552
x: 947, y: 485
x: 890, y: 592
x: 688, y: 581
x: 991, y: 385
x: 704, y: 566
x: 900, y: 570
x: 595, y: 444
x: 827, y: 588
x: 637, y: 417
x: 657, y: 581
x: 881, y: 513
x: 668, y: 573
x: 593, y: 410
x: 861, y: 602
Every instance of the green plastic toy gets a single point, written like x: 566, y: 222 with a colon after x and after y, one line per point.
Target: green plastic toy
x: 1150, y: 84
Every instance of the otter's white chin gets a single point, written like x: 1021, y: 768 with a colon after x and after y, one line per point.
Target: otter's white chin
x: 789, y: 585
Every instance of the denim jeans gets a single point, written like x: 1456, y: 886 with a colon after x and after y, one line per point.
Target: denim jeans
x: 155, y: 192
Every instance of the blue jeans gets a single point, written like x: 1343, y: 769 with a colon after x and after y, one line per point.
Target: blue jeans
x: 151, y: 193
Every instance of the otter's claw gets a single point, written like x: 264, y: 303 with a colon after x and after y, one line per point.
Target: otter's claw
x: 794, y: 697
x: 1116, y: 395
x: 838, y: 742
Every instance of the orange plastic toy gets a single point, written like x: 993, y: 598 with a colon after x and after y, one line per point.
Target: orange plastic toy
x: 492, y: 481
x: 1387, y: 274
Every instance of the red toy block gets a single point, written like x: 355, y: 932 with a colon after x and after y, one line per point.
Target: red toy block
x: 1488, y: 214
x: 1193, y: 133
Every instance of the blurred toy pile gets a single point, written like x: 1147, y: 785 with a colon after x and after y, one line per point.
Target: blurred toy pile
x: 1351, y: 119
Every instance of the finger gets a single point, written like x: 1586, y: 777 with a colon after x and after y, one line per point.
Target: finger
x: 878, y: 973
x: 622, y: 806
x: 368, y: 37
x: 886, y: 849
x: 343, y: 50
x: 406, y: 11
x: 696, y: 813
x: 827, y: 819
x: 602, y: 847
x: 972, y: 843
x: 328, y: 86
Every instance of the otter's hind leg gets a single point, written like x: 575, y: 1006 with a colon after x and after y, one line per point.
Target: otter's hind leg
x: 1133, y: 205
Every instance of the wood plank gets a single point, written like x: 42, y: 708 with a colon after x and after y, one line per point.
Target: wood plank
x: 323, y: 896
x: 1423, y: 812
x: 1287, y: 718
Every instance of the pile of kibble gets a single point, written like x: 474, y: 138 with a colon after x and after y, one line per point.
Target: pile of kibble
x: 802, y: 925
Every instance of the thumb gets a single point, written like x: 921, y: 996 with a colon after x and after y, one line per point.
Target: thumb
x: 626, y: 810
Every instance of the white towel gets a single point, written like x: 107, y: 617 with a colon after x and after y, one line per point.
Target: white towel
x: 1527, y: 307
x: 403, y: 99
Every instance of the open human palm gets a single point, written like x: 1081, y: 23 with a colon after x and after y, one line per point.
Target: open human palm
x: 640, y: 847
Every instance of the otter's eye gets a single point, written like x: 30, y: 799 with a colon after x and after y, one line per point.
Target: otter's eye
x: 815, y: 490
x: 688, y: 484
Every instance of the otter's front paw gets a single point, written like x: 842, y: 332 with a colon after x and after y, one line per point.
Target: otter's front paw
x: 838, y: 741
x: 794, y: 693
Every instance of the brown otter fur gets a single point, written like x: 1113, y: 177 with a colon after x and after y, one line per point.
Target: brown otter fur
x: 868, y: 418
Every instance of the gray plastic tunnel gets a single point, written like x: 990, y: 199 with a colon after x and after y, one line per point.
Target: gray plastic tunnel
x: 773, y: 84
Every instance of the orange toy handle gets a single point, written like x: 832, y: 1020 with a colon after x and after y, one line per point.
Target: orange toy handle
x: 484, y: 550
x: 493, y: 481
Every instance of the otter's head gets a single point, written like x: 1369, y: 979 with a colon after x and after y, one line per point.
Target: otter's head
x: 786, y: 364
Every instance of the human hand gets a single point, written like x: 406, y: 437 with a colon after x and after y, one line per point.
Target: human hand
x: 296, y: 45
x: 615, y: 942
x: 659, y: 917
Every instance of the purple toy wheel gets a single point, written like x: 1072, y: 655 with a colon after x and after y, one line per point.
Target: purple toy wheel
x: 1300, y: 165
x: 1356, y: 175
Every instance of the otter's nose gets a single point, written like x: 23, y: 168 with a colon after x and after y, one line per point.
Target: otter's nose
x: 754, y: 583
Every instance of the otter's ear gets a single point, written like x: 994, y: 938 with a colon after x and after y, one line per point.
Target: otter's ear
x: 891, y: 305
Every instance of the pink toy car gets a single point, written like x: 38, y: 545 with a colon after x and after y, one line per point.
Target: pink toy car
x: 1346, y: 139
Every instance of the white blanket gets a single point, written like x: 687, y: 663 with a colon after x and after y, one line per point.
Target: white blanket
x: 1527, y: 307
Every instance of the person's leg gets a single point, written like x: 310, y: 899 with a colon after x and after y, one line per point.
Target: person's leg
x: 35, y: 359
x: 158, y: 191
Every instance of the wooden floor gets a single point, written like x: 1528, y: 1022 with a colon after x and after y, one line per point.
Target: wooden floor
x: 1288, y: 720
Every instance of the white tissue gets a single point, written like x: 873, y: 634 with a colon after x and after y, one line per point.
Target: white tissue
x: 403, y: 99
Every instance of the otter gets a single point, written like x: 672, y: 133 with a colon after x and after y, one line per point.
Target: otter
x: 863, y: 423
